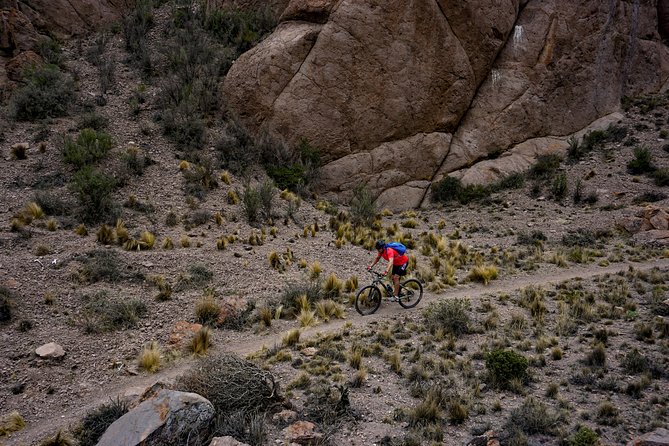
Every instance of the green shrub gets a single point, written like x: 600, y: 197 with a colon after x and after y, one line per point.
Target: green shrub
x: 661, y: 177
x: 363, y: 206
x: 51, y: 204
x: 505, y: 366
x: 451, y: 189
x: 532, y: 417
x: 47, y: 93
x: 102, y: 313
x: 545, y: 166
x: 200, y: 179
x: 290, y: 297
x: 239, y: 29
x: 184, y: 125
x: 266, y: 193
x: 580, y: 237
x: 93, y: 121
x: 135, y: 27
x: 450, y: 315
x: 96, y: 422
x: 94, y: 190
x: 6, y: 304
x: 294, y: 173
x: 535, y: 237
x: 89, y: 147
x: 642, y: 162
x: 50, y: 51
x: 251, y: 203
x: 236, y: 148
x: 584, y: 436
x: 559, y: 187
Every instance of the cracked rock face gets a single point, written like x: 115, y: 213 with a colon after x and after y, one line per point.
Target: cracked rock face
x: 397, y: 94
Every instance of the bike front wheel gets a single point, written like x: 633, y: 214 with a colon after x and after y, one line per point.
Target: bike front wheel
x: 368, y: 300
x: 411, y: 292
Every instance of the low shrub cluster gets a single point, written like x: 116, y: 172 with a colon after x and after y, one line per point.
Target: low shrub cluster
x: 450, y: 315
x: 47, y: 93
x: 506, y: 365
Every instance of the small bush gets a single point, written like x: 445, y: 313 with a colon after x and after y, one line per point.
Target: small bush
x: 231, y: 383
x: 237, y: 149
x: 451, y: 315
x: 239, y: 29
x: 642, y: 162
x: 107, y: 314
x: 579, y: 237
x: 251, y: 203
x: 536, y: 238
x: 96, y: 422
x: 545, y: 166
x: 89, y: 147
x: 50, y: 51
x: 93, y: 121
x: 363, y: 207
x: 532, y: 417
x: 94, y: 190
x: 505, y: 366
x: 47, y: 93
x: 661, y: 177
x: 207, y: 311
x: 584, y: 436
x: 559, y: 187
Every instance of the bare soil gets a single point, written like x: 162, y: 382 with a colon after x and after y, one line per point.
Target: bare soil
x: 43, y: 268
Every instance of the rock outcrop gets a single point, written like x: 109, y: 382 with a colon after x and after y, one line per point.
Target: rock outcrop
x: 419, y: 90
x: 160, y: 420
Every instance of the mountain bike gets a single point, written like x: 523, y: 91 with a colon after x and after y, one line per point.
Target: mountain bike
x: 368, y: 299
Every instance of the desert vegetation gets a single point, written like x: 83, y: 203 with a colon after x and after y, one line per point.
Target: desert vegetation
x: 144, y: 205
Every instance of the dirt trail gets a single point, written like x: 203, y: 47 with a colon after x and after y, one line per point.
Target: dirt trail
x: 34, y: 432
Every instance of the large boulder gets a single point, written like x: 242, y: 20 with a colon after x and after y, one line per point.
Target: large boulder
x: 450, y: 83
x: 160, y: 420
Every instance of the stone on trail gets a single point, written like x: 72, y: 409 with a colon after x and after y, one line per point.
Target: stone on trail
x: 50, y: 351
x: 160, y: 420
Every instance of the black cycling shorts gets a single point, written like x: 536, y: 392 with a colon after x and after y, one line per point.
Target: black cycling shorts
x: 400, y: 270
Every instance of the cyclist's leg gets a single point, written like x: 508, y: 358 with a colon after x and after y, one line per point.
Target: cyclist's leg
x: 399, y: 271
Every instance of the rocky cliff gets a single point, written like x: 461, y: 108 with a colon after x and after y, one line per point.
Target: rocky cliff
x: 398, y: 93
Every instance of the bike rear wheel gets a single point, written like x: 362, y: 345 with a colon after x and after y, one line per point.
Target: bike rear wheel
x: 411, y: 292
x: 368, y: 300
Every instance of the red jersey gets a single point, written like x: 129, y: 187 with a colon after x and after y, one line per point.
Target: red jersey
x: 397, y: 259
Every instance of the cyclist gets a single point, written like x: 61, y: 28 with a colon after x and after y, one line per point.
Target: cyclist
x: 398, y: 262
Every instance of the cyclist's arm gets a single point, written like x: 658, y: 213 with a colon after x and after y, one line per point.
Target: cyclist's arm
x: 390, y: 264
x: 378, y: 256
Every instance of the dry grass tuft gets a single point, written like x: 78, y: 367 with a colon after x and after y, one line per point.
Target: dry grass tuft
x: 11, y: 422
x: 307, y: 318
x: 81, y: 230
x: 291, y: 338
x: 149, y: 359
x: 483, y: 274
x: 201, y: 342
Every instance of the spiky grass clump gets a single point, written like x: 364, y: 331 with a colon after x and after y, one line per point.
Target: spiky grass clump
x: 201, y: 342
x: 233, y: 198
x: 207, y: 311
x: 275, y: 261
x: 266, y: 315
x: 394, y: 360
x: 122, y: 234
x: 168, y: 243
x: 225, y: 177
x: 307, y: 318
x: 150, y: 358
x: 106, y: 235
x: 315, y: 270
x: 332, y: 286
x: 11, y: 423
x: 60, y: 439
x: 185, y: 241
x: 184, y: 165
x: 81, y: 230
x: 221, y: 243
x: 328, y: 308
x: 291, y: 338
x: 147, y: 240
x: 52, y: 224
x: 164, y: 288
x: 351, y: 284
x: 483, y: 274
